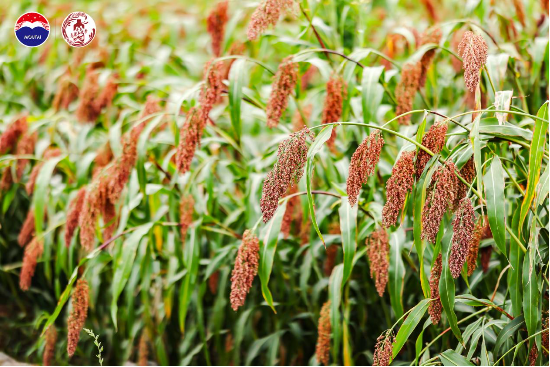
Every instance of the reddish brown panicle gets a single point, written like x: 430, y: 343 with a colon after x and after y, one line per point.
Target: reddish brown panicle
x: 287, y: 170
x: 73, y: 215
x: 397, y: 187
x: 215, y: 25
x: 9, y: 137
x: 322, y: 348
x: 473, y: 51
x: 266, y: 14
x: 485, y: 260
x: 27, y: 229
x: 32, y: 252
x: 468, y: 172
x: 432, y: 35
x: 25, y: 146
x: 473, y: 250
x: 284, y: 82
x: 383, y: 350
x: 190, y: 137
x: 435, y: 307
x: 378, y: 249
x: 88, y: 109
x: 78, y: 315
x: 246, y: 268
x: 362, y: 165
x: 434, y: 140
x: 334, y: 101
x: 212, y: 90
x: 187, y: 206
x: 463, y: 228
x: 49, y: 347
x: 108, y: 94
x: 298, y: 122
x: 406, y: 89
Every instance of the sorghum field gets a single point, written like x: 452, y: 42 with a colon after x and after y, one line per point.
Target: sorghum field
x: 277, y: 182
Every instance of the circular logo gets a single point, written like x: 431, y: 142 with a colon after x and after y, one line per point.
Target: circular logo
x: 32, y: 29
x: 78, y: 29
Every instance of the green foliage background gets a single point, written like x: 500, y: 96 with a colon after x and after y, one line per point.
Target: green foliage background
x: 145, y: 281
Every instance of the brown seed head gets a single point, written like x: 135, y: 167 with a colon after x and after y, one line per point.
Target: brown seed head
x: 298, y: 122
x: 322, y: 348
x: 246, y: 268
x: 213, y: 87
x: 486, y: 258
x: 78, y: 315
x: 362, y: 165
x: 533, y: 355
x: 105, y: 98
x: 383, y: 351
x: 51, y: 152
x: 439, y: 198
x: 190, y: 137
x: 334, y: 100
x: 215, y: 24
x: 473, y: 51
x: 463, y: 228
x: 213, y: 282
x: 88, y: 109
x: 49, y: 347
x: 330, y: 260
x: 432, y: 35
x: 397, y: 187
x: 27, y: 229
x: 468, y: 172
x: 307, y: 77
x: 7, y: 179
x: 109, y: 220
x: 435, y: 307
x: 143, y: 350
x: 67, y: 92
x: 406, y: 89
x: 9, y: 137
x: 73, y: 215
x: 152, y: 106
x: 284, y: 82
x: 32, y: 252
x: 434, y: 140
x: 545, y: 340
x: 103, y: 157
x: 187, y: 206
x: 25, y: 146
x: 292, y: 206
x: 378, y: 249
x: 287, y: 170
x: 473, y: 250
x: 266, y: 14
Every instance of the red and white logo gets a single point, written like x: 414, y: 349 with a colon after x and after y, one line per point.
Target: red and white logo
x: 32, y: 29
x: 78, y: 29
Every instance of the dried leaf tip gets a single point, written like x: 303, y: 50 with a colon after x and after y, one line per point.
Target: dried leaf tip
x: 266, y: 14
x: 246, y: 268
x: 473, y: 51
x: 284, y: 82
x: 322, y: 348
x: 78, y: 315
x: 397, y: 187
x: 378, y: 252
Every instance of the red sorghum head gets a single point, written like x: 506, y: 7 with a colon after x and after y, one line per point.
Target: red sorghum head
x: 434, y: 140
x: 190, y: 137
x: 284, y: 82
x: 486, y: 258
x: 103, y: 157
x: 334, y: 101
x: 9, y: 137
x: 378, y: 249
x: 32, y: 252
x: 463, y: 228
x: 51, y: 152
x: 330, y: 260
x: 473, y: 51
x: 322, y: 348
x: 439, y: 198
x: 27, y: 229
x: 362, y: 165
x: 266, y: 14
x: 49, y: 347
x: 292, y: 206
x: 473, y: 250
x: 25, y: 146
x: 298, y: 122
x: 215, y: 24
x: 432, y: 35
x: 246, y: 268
x: 73, y: 215
x: 287, y: 170
x: 435, y: 307
x: 78, y: 315
x: 88, y: 109
x: 213, y: 87
x: 468, y: 172
x: 383, y: 351
x: 108, y: 93
x: 397, y: 188
x: 545, y: 340
x: 213, y: 282
x: 406, y: 89
x: 66, y: 93
x: 109, y: 220
x: 533, y: 355
x: 187, y: 206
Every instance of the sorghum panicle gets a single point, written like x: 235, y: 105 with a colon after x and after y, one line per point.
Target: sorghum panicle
x: 109, y: 220
x: 213, y: 282
x: 378, y: 252
x: 468, y: 172
x: 107, y: 95
x: 87, y: 109
x: 73, y: 215
x: 287, y: 170
x: 292, y: 206
x: 27, y: 229
x: 473, y: 249
x: 383, y: 350
x: 362, y: 165
x: 212, y: 90
x: 473, y: 51
x: 406, y: 89
x: 284, y: 82
x: 545, y: 340
x: 485, y: 260
x: 266, y: 14
x: 322, y: 348
x: 334, y: 101
x: 397, y: 188
x: 435, y: 307
x: 25, y: 146
x: 431, y: 35
x: 330, y: 260
x: 78, y: 315
x: 9, y: 137
x: 215, y: 25
x: 103, y: 157
x: 298, y: 122
x: 533, y: 355
x: 32, y: 252
x: 51, y: 152
x: 439, y: 198
x: 434, y: 140
x: 187, y: 206
x: 190, y: 137
x: 49, y: 347
x: 246, y: 268
x: 67, y: 92
x: 463, y: 228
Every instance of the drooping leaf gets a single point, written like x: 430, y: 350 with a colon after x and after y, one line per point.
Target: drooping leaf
x: 372, y: 92
x: 409, y: 325
x: 452, y: 358
x: 396, y: 272
x: 191, y: 259
x: 335, y: 297
x: 496, y: 211
x: 447, y: 285
x: 348, y: 220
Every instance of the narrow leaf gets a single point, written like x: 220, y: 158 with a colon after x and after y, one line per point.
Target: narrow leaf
x: 496, y: 211
x: 348, y: 221
x: 409, y: 325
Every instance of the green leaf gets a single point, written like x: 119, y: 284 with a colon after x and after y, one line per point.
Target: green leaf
x: 508, y: 332
x: 320, y: 140
x: 514, y: 274
x: 348, y: 222
x: 452, y: 358
x: 40, y: 195
x: 335, y: 297
x: 191, y: 257
x: 535, y: 161
x: 235, y: 96
x: 476, y: 144
x: 410, y: 323
x: 371, y: 93
x: 142, y: 151
x: 396, y: 272
x: 447, y: 285
x: 123, y: 266
x: 531, y: 293
x: 267, y: 251
x: 542, y: 188
x: 503, y: 99
x: 496, y: 211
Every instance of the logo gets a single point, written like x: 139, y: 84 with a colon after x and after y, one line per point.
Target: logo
x: 78, y: 29
x: 32, y: 29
